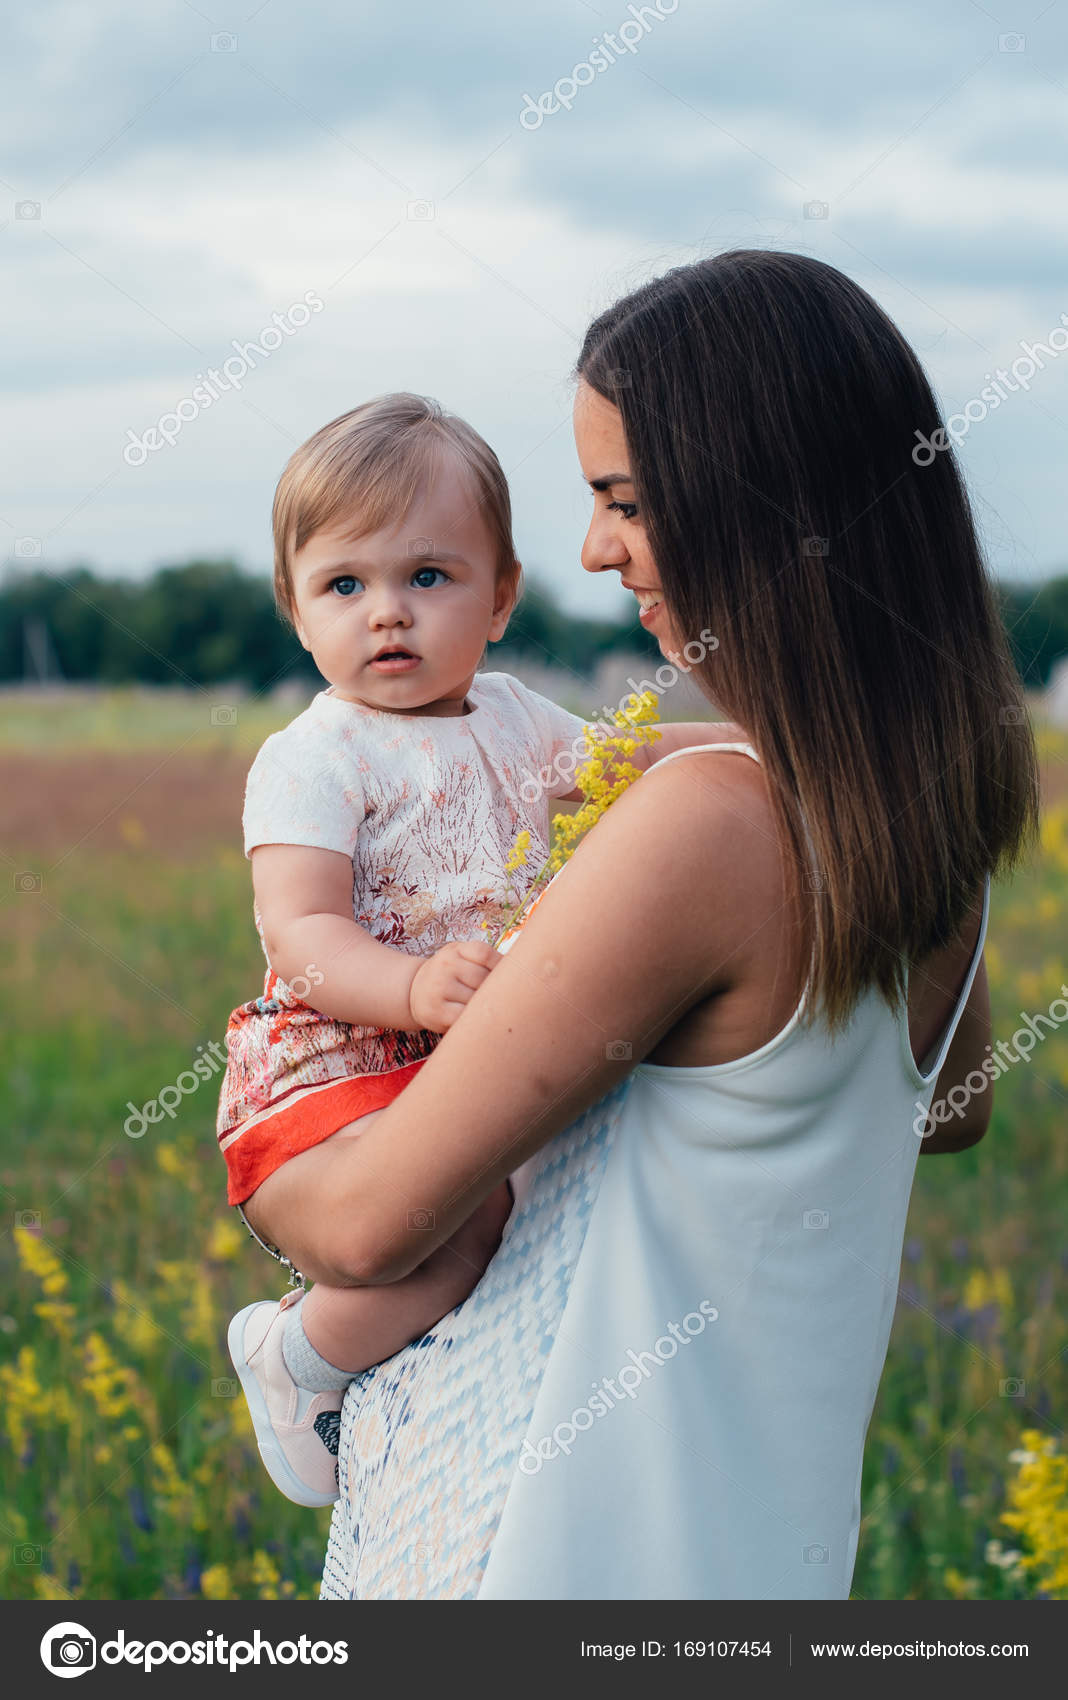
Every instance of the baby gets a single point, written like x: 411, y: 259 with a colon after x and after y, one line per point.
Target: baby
x: 379, y: 824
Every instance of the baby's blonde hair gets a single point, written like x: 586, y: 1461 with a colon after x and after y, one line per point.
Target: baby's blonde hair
x: 370, y: 464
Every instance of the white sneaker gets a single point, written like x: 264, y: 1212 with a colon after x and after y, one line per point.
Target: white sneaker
x: 297, y: 1431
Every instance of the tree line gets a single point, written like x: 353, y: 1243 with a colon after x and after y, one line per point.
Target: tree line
x: 210, y: 622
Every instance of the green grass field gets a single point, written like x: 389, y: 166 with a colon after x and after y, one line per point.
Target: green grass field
x: 129, y: 1469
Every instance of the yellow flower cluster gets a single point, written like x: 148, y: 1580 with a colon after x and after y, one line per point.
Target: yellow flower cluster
x: 39, y: 1258
x: 215, y: 1583
x: 1038, y: 1510
x: 173, y: 1491
x: 109, y: 1384
x: 602, y: 776
x: 97, y: 1396
x: 36, y: 1256
x: 982, y: 1289
x: 22, y: 1395
x: 605, y: 774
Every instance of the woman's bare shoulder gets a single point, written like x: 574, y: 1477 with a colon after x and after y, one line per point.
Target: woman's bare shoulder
x: 698, y: 835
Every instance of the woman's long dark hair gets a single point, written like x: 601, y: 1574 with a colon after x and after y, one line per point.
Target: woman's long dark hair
x: 770, y: 409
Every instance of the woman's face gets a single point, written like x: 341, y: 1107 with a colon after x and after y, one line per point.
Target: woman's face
x: 616, y: 540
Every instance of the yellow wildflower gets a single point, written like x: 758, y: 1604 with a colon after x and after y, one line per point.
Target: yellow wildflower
x: 960, y: 1587
x: 169, y: 1160
x: 265, y: 1575
x: 215, y: 1583
x: 226, y: 1240
x: 602, y: 776
x: 518, y: 855
x: 132, y: 1324
x: 201, y: 1322
x: 109, y: 1384
x: 175, y: 1494
x: 59, y: 1315
x: 981, y: 1289
x: 39, y: 1258
x: 1038, y: 1510
x: 20, y: 1396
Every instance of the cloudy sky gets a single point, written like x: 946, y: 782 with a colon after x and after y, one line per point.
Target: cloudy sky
x: 177, y: 173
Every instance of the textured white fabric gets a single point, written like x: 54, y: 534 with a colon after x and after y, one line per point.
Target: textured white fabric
x: 697, y: 1402
x: 427, y: 806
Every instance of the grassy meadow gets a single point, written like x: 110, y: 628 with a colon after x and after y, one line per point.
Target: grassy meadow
x: 128, y: 1465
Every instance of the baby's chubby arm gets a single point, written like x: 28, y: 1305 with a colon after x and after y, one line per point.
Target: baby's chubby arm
x: 304, y: 898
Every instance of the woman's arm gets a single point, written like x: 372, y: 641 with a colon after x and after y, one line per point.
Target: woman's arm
x: 967, y: 1113
x: 649, y: 916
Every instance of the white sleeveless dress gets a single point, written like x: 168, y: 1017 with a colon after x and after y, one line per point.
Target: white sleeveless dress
x: 661, y: 1387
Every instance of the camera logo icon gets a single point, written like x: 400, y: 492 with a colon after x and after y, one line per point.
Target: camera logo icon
x: 816, y: 1218
x: 28, y: 210
x: 424, y: 1220
x: 1012, y: 715
x: 68, y: 1649
x: 27, y: 548
x: 420, y: 546
x: 618, y: 1051
x: 816, y: 209
x: 223, y: 42
x: 420, y: 210
x: 816, y: 1553
x: 223, y: 714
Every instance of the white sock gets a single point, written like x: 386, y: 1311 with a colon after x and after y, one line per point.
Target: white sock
x: 308, y: 1367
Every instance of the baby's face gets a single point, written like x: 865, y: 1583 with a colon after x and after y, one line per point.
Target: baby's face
x: 425, y: 585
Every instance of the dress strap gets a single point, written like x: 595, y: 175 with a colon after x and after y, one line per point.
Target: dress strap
x: 746, y: 749
x: 934, y: 1069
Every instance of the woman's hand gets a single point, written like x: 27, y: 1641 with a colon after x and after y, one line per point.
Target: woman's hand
x: 447, y: 981
x: 476, y: 1240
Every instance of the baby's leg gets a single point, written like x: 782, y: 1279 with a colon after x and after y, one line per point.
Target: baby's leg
x: 355, y: 1327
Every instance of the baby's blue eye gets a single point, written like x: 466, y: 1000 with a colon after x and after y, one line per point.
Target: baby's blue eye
x: 344, y: 586
x: 421, y: 570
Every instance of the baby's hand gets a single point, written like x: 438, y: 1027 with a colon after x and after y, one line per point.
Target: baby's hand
x: 446, y: 981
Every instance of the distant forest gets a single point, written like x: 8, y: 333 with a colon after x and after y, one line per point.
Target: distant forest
x: 209, y: 622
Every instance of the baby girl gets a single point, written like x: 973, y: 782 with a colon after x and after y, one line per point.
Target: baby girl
x: 379, y: 824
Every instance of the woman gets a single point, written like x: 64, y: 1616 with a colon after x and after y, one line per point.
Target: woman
x: 711, y: 1052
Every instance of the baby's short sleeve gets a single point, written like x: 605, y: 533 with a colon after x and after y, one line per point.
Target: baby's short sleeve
x: 555, y: 731
x: 299, y: 793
